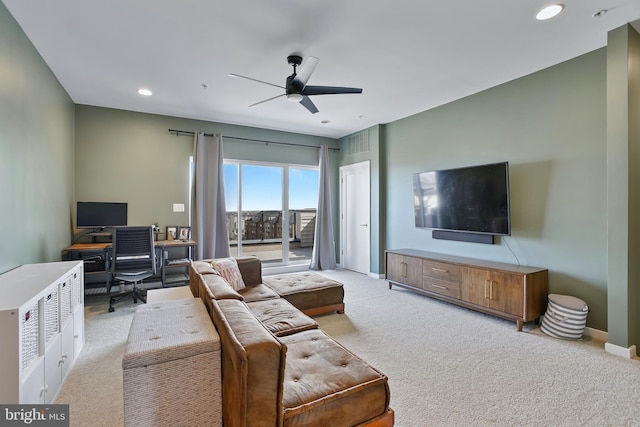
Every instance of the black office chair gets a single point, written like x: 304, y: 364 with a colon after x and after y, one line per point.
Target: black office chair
x: 133, y: 259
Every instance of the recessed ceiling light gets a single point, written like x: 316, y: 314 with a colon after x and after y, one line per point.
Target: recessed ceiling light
x: 549, y: 12
x: 145, y: 92
x: 600, y: 13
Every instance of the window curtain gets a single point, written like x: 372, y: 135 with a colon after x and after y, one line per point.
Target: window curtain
x: 323, y: 255
x: 209, y: 213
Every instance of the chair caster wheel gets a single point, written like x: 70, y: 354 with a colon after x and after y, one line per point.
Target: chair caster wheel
x: 111, y: 309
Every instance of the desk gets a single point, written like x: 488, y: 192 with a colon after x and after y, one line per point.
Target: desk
x: 97, y: 257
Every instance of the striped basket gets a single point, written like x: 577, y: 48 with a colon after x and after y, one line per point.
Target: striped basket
x: 566, y: 317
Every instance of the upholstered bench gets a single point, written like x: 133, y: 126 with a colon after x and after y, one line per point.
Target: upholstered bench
x: 311, y: 293
x: 168, y: 294
x: 171, y: 366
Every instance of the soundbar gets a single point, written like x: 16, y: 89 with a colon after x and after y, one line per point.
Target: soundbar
x: 460, y: 236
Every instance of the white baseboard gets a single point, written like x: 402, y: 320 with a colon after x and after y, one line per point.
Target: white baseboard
x: 376, y: 275
x: 628, y: 353
x: 596, y: 334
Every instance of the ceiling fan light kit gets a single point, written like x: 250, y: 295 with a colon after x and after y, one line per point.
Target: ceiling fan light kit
x: 294, y: 97
x: 296, y: 89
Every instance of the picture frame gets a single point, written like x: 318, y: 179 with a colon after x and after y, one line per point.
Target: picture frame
x: 183, y: 233
x: 172, y: 232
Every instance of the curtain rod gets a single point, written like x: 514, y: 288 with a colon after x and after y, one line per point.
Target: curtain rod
x: 186, y: 132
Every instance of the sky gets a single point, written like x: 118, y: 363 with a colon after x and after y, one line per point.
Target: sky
x: 262, y: 188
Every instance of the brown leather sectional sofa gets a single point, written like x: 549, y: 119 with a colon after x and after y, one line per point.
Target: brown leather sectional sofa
x: 278, y: 368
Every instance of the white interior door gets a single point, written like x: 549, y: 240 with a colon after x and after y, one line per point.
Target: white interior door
x: 355, y: 214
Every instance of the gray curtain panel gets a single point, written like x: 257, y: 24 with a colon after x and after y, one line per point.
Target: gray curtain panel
x: 323, y: 255
x: 209, y: 213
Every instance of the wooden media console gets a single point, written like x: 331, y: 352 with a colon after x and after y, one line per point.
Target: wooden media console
x: 505, y: 290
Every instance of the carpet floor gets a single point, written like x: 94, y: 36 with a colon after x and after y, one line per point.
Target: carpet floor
x: 447, y: 366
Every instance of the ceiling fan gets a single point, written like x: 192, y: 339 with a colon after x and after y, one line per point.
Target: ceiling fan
x: 296, y: 88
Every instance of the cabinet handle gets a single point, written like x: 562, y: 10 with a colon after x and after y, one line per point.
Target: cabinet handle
x: 438, y: 286
x: 485, y: 289
x: 441, y: 270
x: 491, y: 282
x: 404, y: 269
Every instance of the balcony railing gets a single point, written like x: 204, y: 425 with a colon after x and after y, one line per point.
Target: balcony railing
x: 262, y: 234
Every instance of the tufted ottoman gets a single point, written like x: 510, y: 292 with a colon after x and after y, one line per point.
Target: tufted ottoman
x: 171, y: 366
x: 325, y: 384
x: 311, y: 293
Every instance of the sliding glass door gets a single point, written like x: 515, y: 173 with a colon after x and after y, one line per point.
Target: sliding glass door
x: 271, y: 210
x: 303, y: 202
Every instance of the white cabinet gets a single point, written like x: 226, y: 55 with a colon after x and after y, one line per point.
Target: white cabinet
x: 41, y: 329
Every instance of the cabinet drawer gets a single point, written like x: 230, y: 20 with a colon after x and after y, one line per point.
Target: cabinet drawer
x: 442, y: 287
x: 441, y: 270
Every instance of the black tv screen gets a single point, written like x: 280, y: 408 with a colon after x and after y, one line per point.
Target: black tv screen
x: 471, y: 199
x: 100, y: 214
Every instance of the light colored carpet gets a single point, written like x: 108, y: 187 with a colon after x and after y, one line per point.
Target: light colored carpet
x: 447, y: 366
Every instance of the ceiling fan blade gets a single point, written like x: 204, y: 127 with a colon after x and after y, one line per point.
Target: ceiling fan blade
x: 308, y: 104
x: 267, y: 100
x: 238, y: 76
x: 305, y: 71
x: 329, y: 90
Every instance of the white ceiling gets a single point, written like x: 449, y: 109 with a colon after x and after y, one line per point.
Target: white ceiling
x: 407, y: 55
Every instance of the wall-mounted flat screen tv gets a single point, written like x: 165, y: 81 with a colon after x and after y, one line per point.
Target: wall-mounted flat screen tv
x: 101, y: 214
x: 471, y: 199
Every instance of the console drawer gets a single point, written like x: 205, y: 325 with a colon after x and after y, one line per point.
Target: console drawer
x: 442, y: 287
x: 441, y: 270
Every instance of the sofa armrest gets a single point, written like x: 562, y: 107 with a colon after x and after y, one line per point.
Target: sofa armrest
x: 195, y: 275
x: 215, y: 287
x: 253, y: 363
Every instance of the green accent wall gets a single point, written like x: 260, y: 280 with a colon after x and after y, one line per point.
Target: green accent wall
x: 123, y: 156
x: 36, y: 153
x: 551, y: 128
x: 623, y: 181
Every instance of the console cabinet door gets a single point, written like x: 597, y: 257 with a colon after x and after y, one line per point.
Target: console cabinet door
x: 496, y: 290
x: 507, y: 293
x: 404, y: 269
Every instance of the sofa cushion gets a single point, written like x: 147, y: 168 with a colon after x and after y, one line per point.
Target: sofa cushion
x: 326, y: 384
x: 203, y: 267
x: 280, y: 317
x: 258, y: 293
x: 218, y: 288
x: 228, y: 269
x: 306, y: 290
